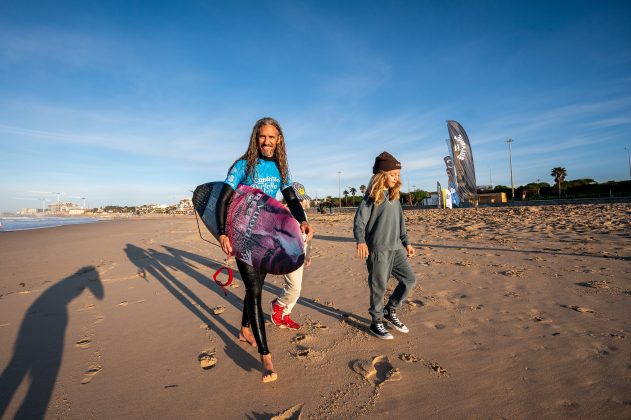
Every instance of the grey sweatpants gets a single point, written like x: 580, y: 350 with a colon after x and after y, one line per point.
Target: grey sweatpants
x: 380, y: 266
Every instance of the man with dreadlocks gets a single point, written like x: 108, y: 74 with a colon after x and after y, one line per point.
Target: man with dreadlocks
x: 263, y: 166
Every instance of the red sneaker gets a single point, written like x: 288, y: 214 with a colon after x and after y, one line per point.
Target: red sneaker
x: 289, y: 323
x: 277, y: 314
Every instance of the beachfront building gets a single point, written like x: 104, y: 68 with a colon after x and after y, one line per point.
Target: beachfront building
x: 431, y: 201
x: 185, y: 206
x: 65, y: 208
x: 29, y: 211
x: 492, y: 198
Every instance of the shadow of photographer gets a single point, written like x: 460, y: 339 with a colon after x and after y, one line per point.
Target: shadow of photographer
x: 39, y: 346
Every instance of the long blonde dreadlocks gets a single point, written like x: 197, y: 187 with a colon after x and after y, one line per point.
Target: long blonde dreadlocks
x: 251, y: 156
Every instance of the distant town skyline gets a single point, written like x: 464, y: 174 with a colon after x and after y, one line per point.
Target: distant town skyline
x: 125, y: 104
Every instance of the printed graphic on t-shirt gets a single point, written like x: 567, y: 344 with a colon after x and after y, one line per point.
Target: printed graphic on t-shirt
x: 267, y: 178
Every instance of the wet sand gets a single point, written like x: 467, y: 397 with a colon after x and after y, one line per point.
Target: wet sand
x: 518, y: 313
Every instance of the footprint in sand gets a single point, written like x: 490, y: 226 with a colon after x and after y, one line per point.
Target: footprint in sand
x: 207, y: 359
x: 317, y: 324
x: 541, y: 319
x: 411, y: 358
x: 217, y: 310
x: 511, y: 273
x: 300, y: 338
x: 378, y: 370
x: 89, y: 374
x: 292, y: 413
x: 303, y: 353
x: 578, y: 309
x: 595, y: 284
x: 99, y: 319
x: 464, y: 263
x: 436, y: 367
x: 415, y: 303
x: 84, y: 343
x: 123, y: 303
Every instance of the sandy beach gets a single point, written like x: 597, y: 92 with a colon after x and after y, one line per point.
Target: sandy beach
x: 518, y: 313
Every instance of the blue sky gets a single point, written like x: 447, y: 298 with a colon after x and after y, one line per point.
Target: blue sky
x: 128, y: 102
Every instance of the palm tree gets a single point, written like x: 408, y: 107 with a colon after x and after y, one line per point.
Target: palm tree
x: 362, y: 189
x: 353, y: 191
x: 345, y: 193
x: 559, y: 175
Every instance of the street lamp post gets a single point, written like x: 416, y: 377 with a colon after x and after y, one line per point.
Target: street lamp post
x: 339, y: 187
x: 629, y: 158
x: 510, y: 162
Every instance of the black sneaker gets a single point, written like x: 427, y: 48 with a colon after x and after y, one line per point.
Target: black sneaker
x: 379, y: 330
x: 390, y: 315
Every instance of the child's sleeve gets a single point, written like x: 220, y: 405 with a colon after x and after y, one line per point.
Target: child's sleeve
x: 362, y: 215
x: 404, y: 233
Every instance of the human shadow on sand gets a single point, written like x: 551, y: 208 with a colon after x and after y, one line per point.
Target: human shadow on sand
x: 333, y: 238
x: 39, y: 347
x: 188, y: 263
x: 549, y: 251
x: 151, y: 262
x: 180, y: 258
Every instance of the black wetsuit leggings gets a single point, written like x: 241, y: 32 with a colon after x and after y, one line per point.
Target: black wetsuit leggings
x: 252, y: 310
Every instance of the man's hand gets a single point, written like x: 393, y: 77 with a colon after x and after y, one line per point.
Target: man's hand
x: 224, y: 241
x: 306, y: 229
x: 362, y: 251
x: 411, y: 251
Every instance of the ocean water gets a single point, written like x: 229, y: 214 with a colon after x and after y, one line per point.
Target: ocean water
x: 24, y: 223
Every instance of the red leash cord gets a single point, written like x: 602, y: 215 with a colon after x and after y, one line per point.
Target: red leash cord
x: 230, y: 277
x: 228, y: 269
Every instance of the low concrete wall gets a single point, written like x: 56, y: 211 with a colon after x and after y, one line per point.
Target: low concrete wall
x: 603, y: 200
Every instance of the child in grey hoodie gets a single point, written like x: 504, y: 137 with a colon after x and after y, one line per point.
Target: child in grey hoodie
x: 382, y: 240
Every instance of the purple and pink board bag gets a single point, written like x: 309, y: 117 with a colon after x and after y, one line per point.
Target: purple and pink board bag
x: 263, y: 233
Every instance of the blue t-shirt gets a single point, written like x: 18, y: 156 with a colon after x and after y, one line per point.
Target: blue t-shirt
x: 266, y: 177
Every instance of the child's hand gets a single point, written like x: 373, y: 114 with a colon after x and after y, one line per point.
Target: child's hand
x: 411, y: 251
x: 362, y: 251
x: 307, y: 262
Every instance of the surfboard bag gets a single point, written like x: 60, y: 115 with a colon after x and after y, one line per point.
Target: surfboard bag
x: 262, y: 231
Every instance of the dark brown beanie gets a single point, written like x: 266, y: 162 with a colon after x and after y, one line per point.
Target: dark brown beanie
x: 385, y: 162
